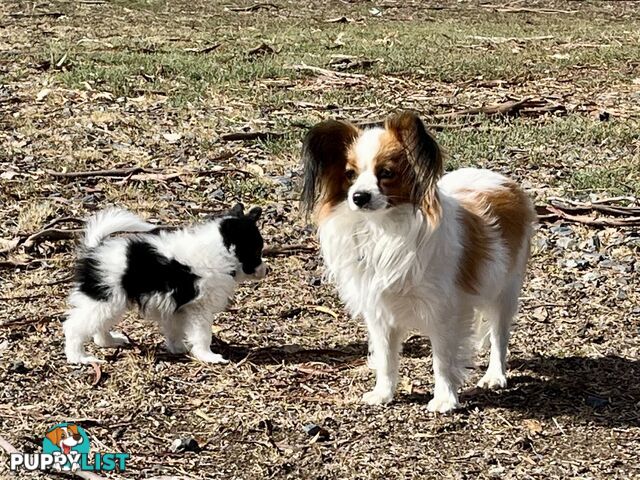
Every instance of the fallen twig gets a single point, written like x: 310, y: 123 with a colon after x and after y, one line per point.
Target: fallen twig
x: 38, y: 14
x: 287, y: 250
x: 573, y: 206
x: 121, y: 172
x: 501, y: 9
x: 323, y: 71
x: 232, y: 137
x: 550, y: 213
x: 254, y: 8
x: 207, y: 49
x: 57, y: 221
x: 51, y: 234
x: 510, y: 108
x: 14, y: 264
x: 499, y: 40
x: 25, y: 320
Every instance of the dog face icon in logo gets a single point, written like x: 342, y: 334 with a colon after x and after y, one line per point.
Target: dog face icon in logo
x: 67, y: 439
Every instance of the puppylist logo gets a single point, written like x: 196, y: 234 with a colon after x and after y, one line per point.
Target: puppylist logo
x: 66, y: 447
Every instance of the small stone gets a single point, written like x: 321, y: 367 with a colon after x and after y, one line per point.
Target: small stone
x: 186, y: 444
x: 218, y: 195
x: 565, y: 242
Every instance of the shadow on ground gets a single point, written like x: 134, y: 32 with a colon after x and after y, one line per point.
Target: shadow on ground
x: 603, y: 390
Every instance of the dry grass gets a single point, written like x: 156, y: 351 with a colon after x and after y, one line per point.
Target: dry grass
x: 101, y: 87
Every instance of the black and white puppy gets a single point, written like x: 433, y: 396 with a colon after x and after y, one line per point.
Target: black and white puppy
x: 177, y: 278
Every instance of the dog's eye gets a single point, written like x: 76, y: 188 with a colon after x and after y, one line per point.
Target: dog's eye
x: 386, y: 173
x: 350, y: 174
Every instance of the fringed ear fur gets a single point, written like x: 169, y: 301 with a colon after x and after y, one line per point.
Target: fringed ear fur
x: 255, y: 213
x: 424, y: 156
x: 324, y: 158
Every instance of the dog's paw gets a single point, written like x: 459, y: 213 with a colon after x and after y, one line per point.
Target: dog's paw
x: 443, y: 404
x: 493, y: 381
x: 111, y: 340
x: 210, y: 357
x: 377, y: 397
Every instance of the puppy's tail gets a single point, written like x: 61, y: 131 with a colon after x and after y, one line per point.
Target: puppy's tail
x: 112, y: 220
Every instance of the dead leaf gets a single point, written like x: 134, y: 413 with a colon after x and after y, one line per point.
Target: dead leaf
x: 8, y: 175
x: 262, y: 49
x: 255, y: 169
x: 534, y: 426
x: 42, y: 94
x: 172, y: 137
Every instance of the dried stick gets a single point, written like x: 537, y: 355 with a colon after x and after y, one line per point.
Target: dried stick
x: 231, y: 137
x: 51, y: 234
x: 552, y: 213
x: 324, y: 71
x: 118, y: 172
x: 287, y: 249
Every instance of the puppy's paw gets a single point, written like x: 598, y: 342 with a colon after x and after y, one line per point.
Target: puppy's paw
x: 210, y: 357
x: 111, y: 340
x: 493, y: 381
x: 377, y: 397
x: 443, y: 404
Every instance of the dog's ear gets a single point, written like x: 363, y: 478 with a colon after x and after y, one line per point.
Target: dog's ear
x: 54, y: 436
x: 254, y: 213
x: 324, y: 158
x: 237, y: 210
x: 422, y: 153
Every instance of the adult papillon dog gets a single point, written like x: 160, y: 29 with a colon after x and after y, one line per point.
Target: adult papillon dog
x: 411, y: 249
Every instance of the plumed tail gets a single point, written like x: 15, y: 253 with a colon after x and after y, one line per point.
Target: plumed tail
x: 112, y: 220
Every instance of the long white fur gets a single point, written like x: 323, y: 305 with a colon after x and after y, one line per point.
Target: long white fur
x: 188, y: 329
x: 397, y: 271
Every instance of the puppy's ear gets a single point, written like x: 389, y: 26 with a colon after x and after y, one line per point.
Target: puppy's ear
x: 54, y: 436
x: 237, y: 210
x: 422, y: 153
x: 254, y: 213
x: 324, y: 158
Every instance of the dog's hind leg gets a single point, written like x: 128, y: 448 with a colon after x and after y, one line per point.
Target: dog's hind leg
x: 500, y: 317
x: 172, y: 327
x: 87, y: 318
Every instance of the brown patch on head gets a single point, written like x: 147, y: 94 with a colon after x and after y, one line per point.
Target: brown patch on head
x: 420, y: 166
x: 476, y: 250
x: 392, y: 170
x: 512, y: 209
x: 325, y: 158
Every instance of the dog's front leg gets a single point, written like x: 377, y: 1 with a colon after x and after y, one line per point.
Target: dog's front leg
x: 385, y: 343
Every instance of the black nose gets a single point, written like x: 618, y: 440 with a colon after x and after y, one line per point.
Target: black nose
x: 361, y: 198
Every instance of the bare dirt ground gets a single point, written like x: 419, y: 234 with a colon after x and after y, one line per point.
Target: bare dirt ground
x: 153, y: 90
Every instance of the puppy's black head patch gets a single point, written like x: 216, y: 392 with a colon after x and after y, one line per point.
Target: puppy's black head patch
x: 241, y: 232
